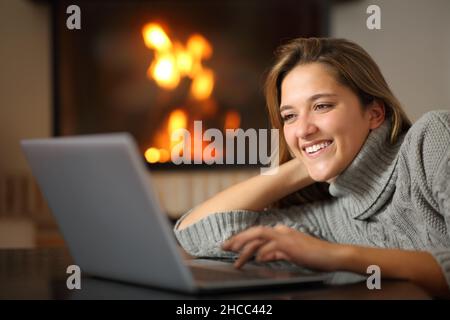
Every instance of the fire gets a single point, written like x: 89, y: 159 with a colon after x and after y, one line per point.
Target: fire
x: 184, y: 60
x: 199, y: 47
x: 164, y: 72
x: 156, y: 38
x: 177, y: 119
x: 232, y: 120
x: 203, y: 85
x: 174, y: 61
x: 152, y: 155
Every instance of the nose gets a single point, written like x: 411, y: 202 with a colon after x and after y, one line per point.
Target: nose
x: 305, y: 128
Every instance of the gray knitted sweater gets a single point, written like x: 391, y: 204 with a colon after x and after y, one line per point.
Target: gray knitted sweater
x: 391, y: 196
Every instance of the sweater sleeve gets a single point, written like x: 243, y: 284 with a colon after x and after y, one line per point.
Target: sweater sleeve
x: 441, y: 193
x: 204, y: 238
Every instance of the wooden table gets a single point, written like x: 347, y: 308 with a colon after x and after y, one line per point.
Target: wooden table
x: 41, y: 274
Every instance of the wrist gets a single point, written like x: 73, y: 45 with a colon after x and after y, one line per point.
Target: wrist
x: 296, y: 175
x: 344, y: 257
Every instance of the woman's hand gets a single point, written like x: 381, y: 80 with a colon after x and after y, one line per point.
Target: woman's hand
x: 283, y: 243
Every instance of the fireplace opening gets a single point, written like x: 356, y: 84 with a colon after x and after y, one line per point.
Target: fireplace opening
x: 151, y: 68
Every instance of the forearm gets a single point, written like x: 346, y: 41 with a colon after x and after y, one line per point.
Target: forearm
x: 417, y: 266
x: 255, y: 193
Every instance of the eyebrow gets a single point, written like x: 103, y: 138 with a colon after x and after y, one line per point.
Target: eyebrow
x: 311, y: 99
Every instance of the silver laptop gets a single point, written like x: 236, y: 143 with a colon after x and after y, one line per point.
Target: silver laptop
x: 98, y: 189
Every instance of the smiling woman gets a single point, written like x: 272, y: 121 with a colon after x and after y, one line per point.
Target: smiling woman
x: 324, y: 130
x: 388, y: 181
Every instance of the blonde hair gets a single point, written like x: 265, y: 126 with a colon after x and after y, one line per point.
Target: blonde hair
x: 353, y: 68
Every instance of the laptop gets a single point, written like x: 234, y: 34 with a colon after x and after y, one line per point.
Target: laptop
x: 101, y: 194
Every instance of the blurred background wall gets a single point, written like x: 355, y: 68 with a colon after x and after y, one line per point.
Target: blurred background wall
x: 25, y: 78
x: 25, y: 111
x: 412, y: 48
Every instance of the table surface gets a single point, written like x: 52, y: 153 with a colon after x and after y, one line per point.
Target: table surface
x: 41, y: 274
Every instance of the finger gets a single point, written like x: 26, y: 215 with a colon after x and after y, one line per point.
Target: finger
x: 238, y: 241
x: 275, y: 255
x: 266, y: 250
x: 272, y: 251
x: 248, y: 252
x: 280, y: 255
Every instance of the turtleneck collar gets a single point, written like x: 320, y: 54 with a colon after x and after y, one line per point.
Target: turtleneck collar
x: 369, y: 181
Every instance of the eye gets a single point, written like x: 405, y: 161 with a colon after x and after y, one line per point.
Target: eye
x: 287, y: 117
x: 322, y: 106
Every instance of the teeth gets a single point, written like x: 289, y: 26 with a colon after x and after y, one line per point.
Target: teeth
x: 317, y: 147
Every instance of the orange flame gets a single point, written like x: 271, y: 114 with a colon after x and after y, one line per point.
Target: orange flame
x: 202, y: 85
x: 164, y: 72
x: 155, y: 37
x: 177, y: 120
x: 232, y: 120
x: 174, y: 61
x: 199, y: 47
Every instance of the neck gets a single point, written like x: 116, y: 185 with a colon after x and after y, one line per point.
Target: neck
x: 369, y: 180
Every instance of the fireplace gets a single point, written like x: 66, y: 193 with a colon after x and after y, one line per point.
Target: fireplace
x: 152, y: 67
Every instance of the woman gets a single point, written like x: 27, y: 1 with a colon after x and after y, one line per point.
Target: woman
x: 388, y: 197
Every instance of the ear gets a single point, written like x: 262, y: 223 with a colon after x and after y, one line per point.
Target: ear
x: 376, y: 113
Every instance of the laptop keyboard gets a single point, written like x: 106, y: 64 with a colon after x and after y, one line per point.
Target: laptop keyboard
x: 279, y: 265
x: 204, y: 274
x: 221, y: 271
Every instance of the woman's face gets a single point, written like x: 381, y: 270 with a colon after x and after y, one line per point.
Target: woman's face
x: 324, y: 123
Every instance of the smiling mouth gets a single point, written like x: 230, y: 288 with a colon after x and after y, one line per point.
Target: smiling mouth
x: 316, y: 150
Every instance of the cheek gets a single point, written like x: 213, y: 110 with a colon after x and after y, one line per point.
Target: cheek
x: 350, y: 140
x: 337, y: 125
x: 289, y: 136
x: 340, y: 130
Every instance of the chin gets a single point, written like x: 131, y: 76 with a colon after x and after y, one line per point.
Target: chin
x: 319, y: 177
